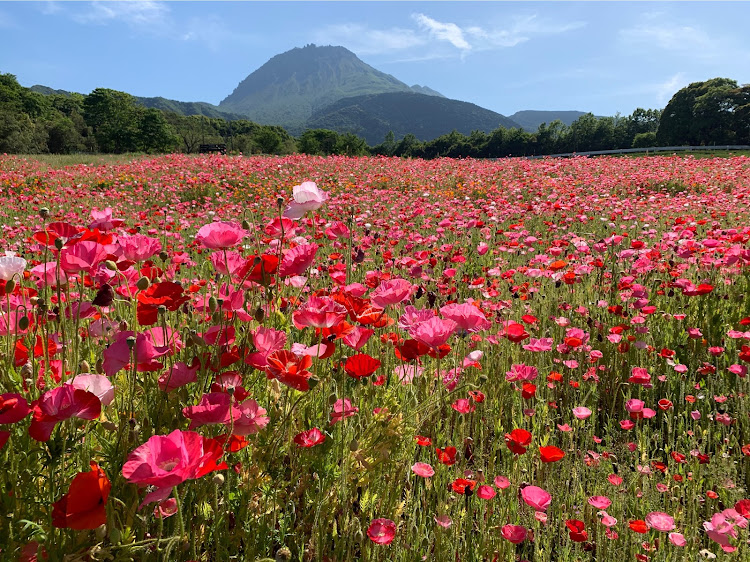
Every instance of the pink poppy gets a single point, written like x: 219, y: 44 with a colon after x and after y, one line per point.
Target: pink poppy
x: 600, y: 502
x: 467, y: 316
x: 536, y: 497
x: 319, y: 312
x: 118, y: 355
x: 390, y: 292
x: 485, y: 492
x: 342, y: 409
x: 677, y: 539
x: 212, y: 409
x: 103, y: 220
x: 249, y: 418
x: 138, y: 247
x: 537, y: 345
x: 98, y: 385
x: 60, y: 404
x: 382, y: 531
x: 266, y: 341
x: 178, y: 376
x: 443, y: 520
x: 502, y: 482
x: 581, y: 412
x: 309, y: 438
x: 513, y: 533
x: 83, y: 256
x: 220, y: 235
x: 307, y: 197
x: 165, y: 461
x: 607, y: 519
x: 297, y: 260
x: 433, y: 332
x: 660, y: 521
x: 521, y: 373
x: 423, y: 469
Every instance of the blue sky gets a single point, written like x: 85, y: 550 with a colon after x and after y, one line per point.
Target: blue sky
x: 604, y: 57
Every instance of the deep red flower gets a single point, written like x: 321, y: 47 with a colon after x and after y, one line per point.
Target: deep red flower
x: 518, y: 441
x: 309, y: 438
x: 423, y: 441
x: 410, y: 350
x: 638, y: 525
x: 258, y: 269
x: 361, y: 365
x: 83, y: 507
x: 577, y: 532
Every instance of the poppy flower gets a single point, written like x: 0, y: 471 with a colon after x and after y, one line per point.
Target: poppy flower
x: 516, y: 332
x: 168, y: 294
x: 309, y: 438
x: 518, y: 441
x: 638, y: 525
x: 13, y: 408
x: 423, y: 441
x: 381, y: 531
x: 536, y: 497
x: 83, y: 507
x: 287, y: 368
x: 342, y: 409
x: 551, y: 454
x: 463, y: 486
x: 423, y: 469
x: 220, y: 235
x: 361, y: 365
x: 576, y: 530
x: 446, y: 456
x: 514, y: 533
x: 59, y: 404
x: 306, y: 197
x: 660, y: 521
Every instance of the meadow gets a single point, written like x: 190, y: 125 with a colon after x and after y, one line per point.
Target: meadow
x: 336, y: 359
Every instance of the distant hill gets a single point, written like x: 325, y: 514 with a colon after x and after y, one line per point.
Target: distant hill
x: 531, y: 119
x: 292, y: 86
x: 426, y: 90
x: 47, y: 91
x: 188, y: 108
x: 427, y: 117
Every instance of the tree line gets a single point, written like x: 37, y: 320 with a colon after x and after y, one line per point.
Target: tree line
x: 714, y: 112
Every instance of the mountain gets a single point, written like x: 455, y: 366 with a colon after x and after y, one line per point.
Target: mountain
x: 289, y: 88
x: 188, y: 108
x: 426, y: 90
x: 427, y: 117
x: 47, y: 91
x: 531, y: 119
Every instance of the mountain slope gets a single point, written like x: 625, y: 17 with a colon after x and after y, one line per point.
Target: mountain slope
x: 426, y: 117
x: 188, y: 108
x: 293, y: 85
x: 531, y: 119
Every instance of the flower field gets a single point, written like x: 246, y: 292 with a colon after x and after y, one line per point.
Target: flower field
x: 304, y: 358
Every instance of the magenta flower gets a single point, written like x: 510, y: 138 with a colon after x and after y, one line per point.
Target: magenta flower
x: 13, y: 408
x: 60, y: 404
x: 266, y: 340
x: 99, y: 385
x: 581, y: 412
x: 179, y: 375
x: 536, y: 497
x: 513, y: 533
x: 212, y: 409
x: 138, y: 247
x: 249, y: 418
x: 220, y: 235
x: 433, y: 332
x: 82, y: 256
x: 297, y: 260
x: 382, y: 531
x: 309, y: 438
x: 165, y: 461
x: 660, y: 521
x: 600, y: 502
x: 342, y: 409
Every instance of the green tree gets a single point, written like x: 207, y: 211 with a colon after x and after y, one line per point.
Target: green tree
x: 156, y: 134
x: 705, y: 113
x: 644, y: 140
x: 114, y: 118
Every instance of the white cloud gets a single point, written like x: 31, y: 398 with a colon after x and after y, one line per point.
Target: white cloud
x: 366, y: 41
x: 49, y: 8
x: 668, y: 37
x: 665, y: 90
x: 137, y: 13
x: 7, y: 22
x: 449, y: 32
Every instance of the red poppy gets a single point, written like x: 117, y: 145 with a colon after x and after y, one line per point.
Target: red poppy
x: 289, y: 369
x: 423, y: 441
x: 446, y: 456
x: 459, y: 485
x: 442, y: 351
x: 518, y: 441
x: 83, y: 506
x: 528, y: 390
x: 167, y: 294
x: 665, y: 404
x: 411, y: 349
x: 638, y: 525
x: 551, y: 453
x: 577, y: 533
x: 678, y: 457
x: 259, y: 269
x: 529, y: 319
x: 516, y: 332
x: 477, y: 396
x: 361, y: 365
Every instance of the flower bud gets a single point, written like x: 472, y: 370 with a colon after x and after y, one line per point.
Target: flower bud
x: 23, y: 322
x: 44, y: 212
x: 353, y: 445
x: 10, y: 284
x: 130, y: 341
x: 312, y: 382
x: 84, y: 367
x: 163, y: 256
x: 143, y: 283
x: 111, y: 265
x: 245, y: 224
x: 218, y: 479
x: 58, y: 243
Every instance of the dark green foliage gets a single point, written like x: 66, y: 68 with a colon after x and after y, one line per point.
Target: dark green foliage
x: 426, y: 117
x: 716, y: 111
x: 530, y: 119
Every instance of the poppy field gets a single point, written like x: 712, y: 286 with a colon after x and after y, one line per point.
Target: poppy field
x: 336, y: 359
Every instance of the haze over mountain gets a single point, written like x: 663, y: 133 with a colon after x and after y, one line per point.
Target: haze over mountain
x: 530, y: 119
